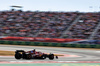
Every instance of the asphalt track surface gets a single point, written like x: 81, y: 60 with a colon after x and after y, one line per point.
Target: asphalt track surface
x: 70, y: 54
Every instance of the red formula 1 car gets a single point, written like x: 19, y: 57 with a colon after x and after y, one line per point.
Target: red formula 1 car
x: 33, y: 55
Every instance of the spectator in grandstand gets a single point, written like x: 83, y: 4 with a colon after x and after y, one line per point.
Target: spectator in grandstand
x: 85, y: 27
x: 19, y: 23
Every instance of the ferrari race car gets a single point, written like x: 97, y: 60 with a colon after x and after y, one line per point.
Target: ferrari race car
x: 33, y: 55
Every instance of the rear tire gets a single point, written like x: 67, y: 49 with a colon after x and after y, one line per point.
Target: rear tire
x: 43, y: 56
x: 18, y: 56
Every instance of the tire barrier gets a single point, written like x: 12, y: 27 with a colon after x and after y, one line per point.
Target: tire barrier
x: 50, y: 44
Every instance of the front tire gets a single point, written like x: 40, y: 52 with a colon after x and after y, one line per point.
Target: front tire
x: 51, y: 56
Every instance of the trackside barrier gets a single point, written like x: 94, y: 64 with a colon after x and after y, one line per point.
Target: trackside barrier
x: 37, y: 39
x: 50, y: 44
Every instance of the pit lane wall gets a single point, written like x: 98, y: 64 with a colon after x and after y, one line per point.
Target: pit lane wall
x: 28, y: 41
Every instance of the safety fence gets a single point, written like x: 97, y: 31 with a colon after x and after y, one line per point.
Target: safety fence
x: 50, y: 44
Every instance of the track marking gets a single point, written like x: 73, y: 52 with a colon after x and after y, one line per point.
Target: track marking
x: 67, y: 55
x: 98, y: 51
x: 6, y: 56
x: 14, y: 62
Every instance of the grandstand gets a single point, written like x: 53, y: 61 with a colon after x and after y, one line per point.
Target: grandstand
x: 73, y: 25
